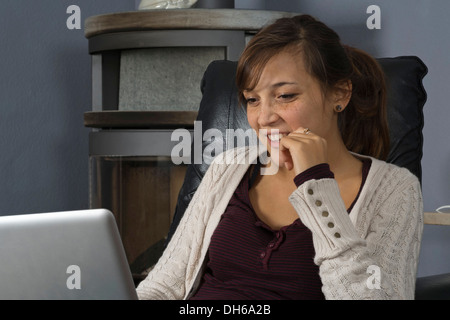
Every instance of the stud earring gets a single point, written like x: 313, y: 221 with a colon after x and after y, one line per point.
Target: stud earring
x: 338, y: 108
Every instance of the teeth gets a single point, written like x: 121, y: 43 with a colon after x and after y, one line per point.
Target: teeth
x: 275, y: 136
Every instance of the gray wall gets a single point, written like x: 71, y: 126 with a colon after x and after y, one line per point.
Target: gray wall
x: 45, y: 89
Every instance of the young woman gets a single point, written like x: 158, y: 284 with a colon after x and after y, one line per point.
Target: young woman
x: 335, y: 221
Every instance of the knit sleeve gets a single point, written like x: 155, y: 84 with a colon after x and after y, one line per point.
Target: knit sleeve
x: 377, y: 259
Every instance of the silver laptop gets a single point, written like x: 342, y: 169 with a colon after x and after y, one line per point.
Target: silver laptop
x: 63, y: 255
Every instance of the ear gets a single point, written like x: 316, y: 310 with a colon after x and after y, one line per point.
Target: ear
x: 342, y: 93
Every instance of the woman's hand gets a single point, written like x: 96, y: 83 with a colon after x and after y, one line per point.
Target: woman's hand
x: 303, y: 149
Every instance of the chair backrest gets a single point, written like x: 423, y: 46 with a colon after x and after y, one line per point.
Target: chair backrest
x: 406, y: 97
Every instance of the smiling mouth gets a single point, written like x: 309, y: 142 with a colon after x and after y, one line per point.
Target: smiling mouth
x: 276, y: 137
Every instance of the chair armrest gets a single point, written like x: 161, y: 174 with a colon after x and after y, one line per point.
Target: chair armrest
x: 435, y: 287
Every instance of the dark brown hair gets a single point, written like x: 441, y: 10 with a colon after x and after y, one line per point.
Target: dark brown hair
x: 363, y: 123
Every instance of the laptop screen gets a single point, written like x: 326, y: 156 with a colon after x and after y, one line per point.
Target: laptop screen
x: 63, y: 255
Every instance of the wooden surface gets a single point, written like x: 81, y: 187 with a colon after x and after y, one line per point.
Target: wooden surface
x: 140, y: 119
x: 217, y: 19
x: 437, y: 218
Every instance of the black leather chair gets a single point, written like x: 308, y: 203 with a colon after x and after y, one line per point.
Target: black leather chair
x: 406, y: 98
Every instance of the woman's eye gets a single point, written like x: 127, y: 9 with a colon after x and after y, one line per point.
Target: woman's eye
x: 287, y: 96
x: 250, y: 101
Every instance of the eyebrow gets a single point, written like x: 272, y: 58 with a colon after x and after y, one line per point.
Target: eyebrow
x: 277, y: 85
x: 280, y: 84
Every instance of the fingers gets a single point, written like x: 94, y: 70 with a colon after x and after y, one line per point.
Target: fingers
x: 302, y: 132
x: 297, y: 135
x: 303, y: 149
x: 305, y: 131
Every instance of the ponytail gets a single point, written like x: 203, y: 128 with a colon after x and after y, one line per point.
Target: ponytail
x: 363, y: 123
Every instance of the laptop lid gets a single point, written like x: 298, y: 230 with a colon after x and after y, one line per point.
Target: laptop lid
x: 63, y: 255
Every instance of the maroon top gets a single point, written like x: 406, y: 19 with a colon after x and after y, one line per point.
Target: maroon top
x: 249, y: 260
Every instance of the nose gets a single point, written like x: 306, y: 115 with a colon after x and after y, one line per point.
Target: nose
x: 267, y: 114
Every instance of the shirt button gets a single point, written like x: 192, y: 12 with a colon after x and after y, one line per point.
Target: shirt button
x: 262, y: 255
x: 310, y: 191
x: 330, y: 224
x: 337, y: 235
x: 318, y: 203
x: 325, y: 214
x: 271, y: 245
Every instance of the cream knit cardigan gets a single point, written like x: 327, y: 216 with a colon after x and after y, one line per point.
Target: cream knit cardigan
x: 377, y: 243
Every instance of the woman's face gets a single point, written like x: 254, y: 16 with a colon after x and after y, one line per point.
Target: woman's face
x: 285, y: 99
